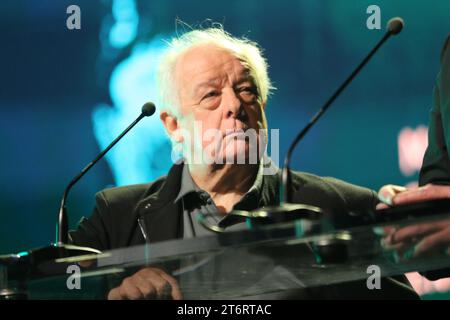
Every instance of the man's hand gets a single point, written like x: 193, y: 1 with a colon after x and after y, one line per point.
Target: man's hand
x: 148, y: 283
x: 392, y: 195
x: 416, y: 240
x: 387, y: 194
x: 419, y: 239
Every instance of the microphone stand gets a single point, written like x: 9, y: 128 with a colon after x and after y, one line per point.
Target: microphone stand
x: 62, y: 236
x: 288, y: 211
x: 394, y: 27
x: 33, y: 263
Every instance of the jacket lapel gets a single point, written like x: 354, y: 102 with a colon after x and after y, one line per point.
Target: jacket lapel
x: 159, y: 217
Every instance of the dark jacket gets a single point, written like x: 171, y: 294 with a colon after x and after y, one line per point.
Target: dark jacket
x: 115, y: 220
x: 122, y: 216
x: 436, y: 161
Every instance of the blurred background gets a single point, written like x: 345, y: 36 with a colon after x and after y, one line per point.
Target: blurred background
x: 65, y: 94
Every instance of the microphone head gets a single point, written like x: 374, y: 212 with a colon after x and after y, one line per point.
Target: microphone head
x: 395, y: 25
x: 148, y: 109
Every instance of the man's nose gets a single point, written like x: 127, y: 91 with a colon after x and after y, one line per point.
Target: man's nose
x: 233, y: 106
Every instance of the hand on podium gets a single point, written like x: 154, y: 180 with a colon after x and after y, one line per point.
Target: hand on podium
x: 419, y: 239
x: 147, y: 283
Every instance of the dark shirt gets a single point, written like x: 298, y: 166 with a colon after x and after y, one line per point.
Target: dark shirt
x: 197, y: 204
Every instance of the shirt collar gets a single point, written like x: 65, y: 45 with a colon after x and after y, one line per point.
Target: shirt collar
x: 189, y: 186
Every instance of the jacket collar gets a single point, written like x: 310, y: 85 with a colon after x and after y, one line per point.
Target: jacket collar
x: 159, y: 218
x: 168, y: 191
x: 164, y: 194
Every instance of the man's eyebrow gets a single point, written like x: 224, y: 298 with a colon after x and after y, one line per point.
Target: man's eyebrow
x: 245, y: 78
x: 206, y: 83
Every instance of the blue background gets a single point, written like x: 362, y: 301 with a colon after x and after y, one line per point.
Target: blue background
x: 58, y: 107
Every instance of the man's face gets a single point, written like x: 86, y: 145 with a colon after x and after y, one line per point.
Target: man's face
x: 216, y: 90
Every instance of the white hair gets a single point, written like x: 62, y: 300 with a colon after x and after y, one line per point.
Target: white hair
x: 245, y: 50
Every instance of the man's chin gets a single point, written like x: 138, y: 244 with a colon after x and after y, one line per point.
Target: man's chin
x: 236, y: 152
x: 235, y: 158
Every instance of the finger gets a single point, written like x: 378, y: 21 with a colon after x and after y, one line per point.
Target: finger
x: 114, y: 294
x: 389, y: 230
x: 146, y: 287
x: 161, y: 286
x: 388, y: 192
x: 130, y: 293
x: 399, y: 247
x: 164, y: 290
x: 410, y: 232
x: 432, y: 242
x: 128, y: 290
x: 383, y: 232
x: 381, y: 206
x: 428, y: 192
x: 176, y: 292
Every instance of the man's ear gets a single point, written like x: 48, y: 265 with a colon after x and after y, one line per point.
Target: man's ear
x: 171, y: 124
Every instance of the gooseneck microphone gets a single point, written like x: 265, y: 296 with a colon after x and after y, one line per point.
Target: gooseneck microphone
x: 148, y: 109
x: 34, y: 263
x: 394, y: 27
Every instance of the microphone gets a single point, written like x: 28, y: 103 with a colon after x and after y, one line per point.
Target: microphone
x: 394, y: 27
x: 34, y: 263
x: 148, y: 109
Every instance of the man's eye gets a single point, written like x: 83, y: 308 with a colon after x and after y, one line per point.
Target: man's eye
x: 248, y: 90
x: 248, y: 94
x: 211, y: 94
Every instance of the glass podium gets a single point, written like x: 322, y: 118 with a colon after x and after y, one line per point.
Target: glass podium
x: 286, y: 260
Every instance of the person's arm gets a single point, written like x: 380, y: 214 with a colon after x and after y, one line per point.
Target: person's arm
x: 434, y: 176
x: 93, y: 232
x: 436, y: 163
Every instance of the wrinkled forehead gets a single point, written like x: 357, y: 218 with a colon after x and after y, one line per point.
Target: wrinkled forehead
x: 208, y: 61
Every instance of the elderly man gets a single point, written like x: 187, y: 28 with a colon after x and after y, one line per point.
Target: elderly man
x: 214, y: 89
